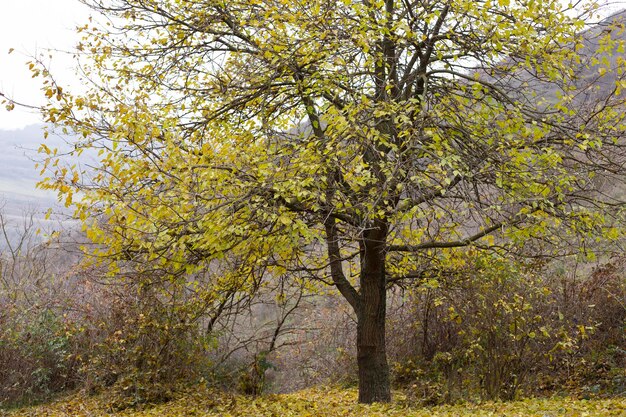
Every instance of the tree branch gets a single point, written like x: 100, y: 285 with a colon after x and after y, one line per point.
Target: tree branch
x: 336, y: 270
x: 451, y: 244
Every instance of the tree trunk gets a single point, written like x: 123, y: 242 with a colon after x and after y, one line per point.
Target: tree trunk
x: 374, y: 383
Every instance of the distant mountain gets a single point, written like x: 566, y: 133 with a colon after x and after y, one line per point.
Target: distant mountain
x: 19, y: 196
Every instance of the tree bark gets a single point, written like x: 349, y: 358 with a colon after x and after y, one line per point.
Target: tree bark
x: 374, y: 382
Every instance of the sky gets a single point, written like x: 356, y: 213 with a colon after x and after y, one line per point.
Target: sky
x: 31, y: 28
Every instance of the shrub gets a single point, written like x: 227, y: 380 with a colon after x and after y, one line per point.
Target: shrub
x: 489, y: 329
x: 34, y: 362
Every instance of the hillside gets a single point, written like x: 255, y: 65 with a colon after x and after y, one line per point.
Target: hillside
x: 19, y: 196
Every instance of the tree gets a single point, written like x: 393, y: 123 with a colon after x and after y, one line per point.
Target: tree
x: 352, y: 144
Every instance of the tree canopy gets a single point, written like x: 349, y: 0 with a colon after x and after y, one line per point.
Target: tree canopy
x: 353, y: 144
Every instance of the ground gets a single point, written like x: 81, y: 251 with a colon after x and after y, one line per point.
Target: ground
x: 321, y: 403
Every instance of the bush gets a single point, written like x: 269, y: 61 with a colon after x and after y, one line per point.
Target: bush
x: 34, y: 361
x: 136, y: 340
x: 495, y: 327
x: 35, y: 347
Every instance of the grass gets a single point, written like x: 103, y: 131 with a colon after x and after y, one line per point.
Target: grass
x: 320, y: 402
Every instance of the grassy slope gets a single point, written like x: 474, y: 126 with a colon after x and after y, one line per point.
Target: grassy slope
x: 319, y: 402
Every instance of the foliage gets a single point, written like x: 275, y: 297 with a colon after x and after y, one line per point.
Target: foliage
x: 69, y: 326
x: 597, y: 364
x: 141, y: 338
x: 35, y: 346
x: 521, y: 329
x: 142, y: 344
x: 324, y: 402
x: 138, y: 341
x: 353, y: 144
x: 489, y: 335
x: 34, y: 361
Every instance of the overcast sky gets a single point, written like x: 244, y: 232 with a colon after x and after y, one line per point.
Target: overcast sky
x: 31, y: 27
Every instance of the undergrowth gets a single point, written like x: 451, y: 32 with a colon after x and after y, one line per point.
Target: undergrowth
x: 320, y: 402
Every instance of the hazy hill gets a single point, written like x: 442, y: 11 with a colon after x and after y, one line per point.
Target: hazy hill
x: 18, y: 175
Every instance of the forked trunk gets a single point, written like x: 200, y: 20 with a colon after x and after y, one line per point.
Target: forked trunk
x: 370, y: 305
